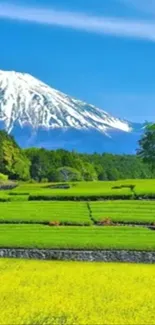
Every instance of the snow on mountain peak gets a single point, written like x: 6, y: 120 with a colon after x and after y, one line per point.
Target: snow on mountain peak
x: 26, y: 100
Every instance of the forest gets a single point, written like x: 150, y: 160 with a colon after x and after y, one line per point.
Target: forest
x: 41, y: 165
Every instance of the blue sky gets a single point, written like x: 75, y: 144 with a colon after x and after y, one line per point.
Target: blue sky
x: 101, y: 51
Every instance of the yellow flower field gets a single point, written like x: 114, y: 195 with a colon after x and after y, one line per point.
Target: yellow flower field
x: 61, y: 293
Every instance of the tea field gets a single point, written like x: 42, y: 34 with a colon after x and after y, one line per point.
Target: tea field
x: 67, y: 237
x: 124, y: 211
x: 75, y: 213
x: 78, y: 213
x: 66, y: 293
x: 81, y: 190
x: 84, y: 216
x: 76, y: 225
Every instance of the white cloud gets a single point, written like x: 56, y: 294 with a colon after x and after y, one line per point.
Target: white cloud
x: 94, y: 24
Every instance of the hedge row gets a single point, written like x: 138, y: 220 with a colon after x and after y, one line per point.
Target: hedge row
x: 5, y: 199
x: 79, y: 198
x: 50, y: 223
x: 150, y: 196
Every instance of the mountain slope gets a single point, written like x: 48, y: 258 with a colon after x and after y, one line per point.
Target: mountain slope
x: 37, y: 114
x: 27, y: 100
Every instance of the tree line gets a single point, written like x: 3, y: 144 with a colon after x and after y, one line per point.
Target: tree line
x: 42, y: 165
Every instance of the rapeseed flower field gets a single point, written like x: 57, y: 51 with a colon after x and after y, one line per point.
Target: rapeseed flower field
x: 76, y: 293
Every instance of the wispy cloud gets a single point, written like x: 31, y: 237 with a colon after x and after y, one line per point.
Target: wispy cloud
x: 146, y: 6
x: 79, y: 21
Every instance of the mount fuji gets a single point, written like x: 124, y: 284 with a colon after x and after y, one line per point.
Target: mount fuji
x: 38, y: 115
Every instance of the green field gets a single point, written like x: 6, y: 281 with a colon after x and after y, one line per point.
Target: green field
x: 67, y: 293
x: 75, y: 213
x: 76, y: 222
x: 124, y: 211
x: 81, y: 190
x: 39, y: 236
x: 85, y: 190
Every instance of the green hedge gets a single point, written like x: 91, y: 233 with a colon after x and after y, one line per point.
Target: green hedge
x: 5, y: 199
x: 79, y: 198
x: 91, y: 197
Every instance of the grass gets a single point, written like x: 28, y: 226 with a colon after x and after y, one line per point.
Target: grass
x: 77, y: 213
x: 65, y: 293
x: 39, y: 236
x: 82, y: 189
x: 4, y: 197
x: 44, y: 212
x: 79, y: 189
x: 124, y: 211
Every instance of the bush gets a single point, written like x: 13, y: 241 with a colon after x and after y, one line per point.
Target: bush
x: 3, y: 177
x: 18, y: 193
x: 44, y: 180
x: 119, y: 187
x: 8, y: 186
x: 31, y: 181
x: 59, y: 186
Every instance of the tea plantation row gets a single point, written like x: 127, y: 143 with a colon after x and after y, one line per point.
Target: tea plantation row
x: 78, y: 213
x: 39, y: 236
x: 125, y: 189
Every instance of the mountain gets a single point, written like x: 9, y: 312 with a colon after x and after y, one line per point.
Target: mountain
x: 38, y: 115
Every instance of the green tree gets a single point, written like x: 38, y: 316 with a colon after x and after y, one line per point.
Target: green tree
x: 68, y: 174
x: 53, y: 175
x: 89, y: 172
x: 40, y: 163
x: 147, y: 146
x: 13, y: 161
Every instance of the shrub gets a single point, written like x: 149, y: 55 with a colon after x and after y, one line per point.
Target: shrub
x: 119, y: 187
x: 31, y: 181
x: 8, y: 186
x: 44, y: 180
x: 3, y: 177
x: 18, y: 193
x: 131, y: 186
x: 59, y: 186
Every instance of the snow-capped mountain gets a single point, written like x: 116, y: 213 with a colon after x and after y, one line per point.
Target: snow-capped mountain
x: 28, y: 100
x: 31, y: 110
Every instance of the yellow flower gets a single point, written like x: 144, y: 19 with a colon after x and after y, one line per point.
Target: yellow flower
x: 73, y: 293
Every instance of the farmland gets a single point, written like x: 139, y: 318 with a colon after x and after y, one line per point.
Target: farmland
x: 36, y: 191
x: 67, y: 293
x: 75, y: 213
x: 124, y: 211
x: 75, y: 218
x: 68, y: 224
x: 39, y: 236
x: 85, y: 190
